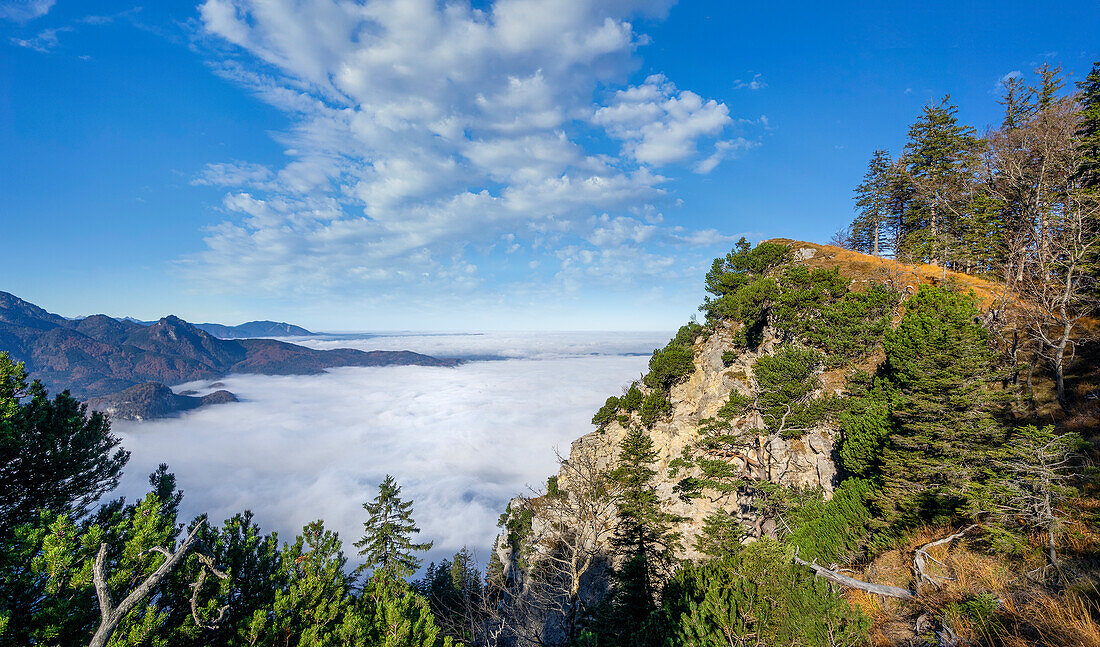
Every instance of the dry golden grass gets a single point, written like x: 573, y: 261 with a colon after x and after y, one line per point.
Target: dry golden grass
x: 1027, y: 614
x: 1066, y: 620
x: 868, y: 269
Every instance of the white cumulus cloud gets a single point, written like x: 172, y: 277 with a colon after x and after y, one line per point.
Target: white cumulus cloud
x: 425, y: 131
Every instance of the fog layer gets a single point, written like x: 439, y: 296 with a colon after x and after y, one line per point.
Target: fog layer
x: 461, y: 442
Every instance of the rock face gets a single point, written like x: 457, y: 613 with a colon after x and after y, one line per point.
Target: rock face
x: 152, y: 400
x: 805, y: 462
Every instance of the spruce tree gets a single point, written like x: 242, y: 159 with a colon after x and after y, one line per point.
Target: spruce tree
x: 1016, y: 101
x: 643, y: 535
x: 944, y: 420
x: 386, y: 545
x: 873, y: 201
x: 1088, y: 131
x: 939, y: 157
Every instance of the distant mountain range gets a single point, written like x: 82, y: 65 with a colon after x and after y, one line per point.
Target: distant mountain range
x: 243, y: 331
x: 254, y: 329
x: 98, y: 356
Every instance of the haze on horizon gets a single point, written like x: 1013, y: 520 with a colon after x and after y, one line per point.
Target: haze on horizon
x: 498, y: 164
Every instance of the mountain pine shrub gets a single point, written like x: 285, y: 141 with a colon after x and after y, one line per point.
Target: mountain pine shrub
x: 757, y: 596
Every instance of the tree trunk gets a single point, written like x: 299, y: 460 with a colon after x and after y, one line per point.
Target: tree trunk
x: 853, y: 583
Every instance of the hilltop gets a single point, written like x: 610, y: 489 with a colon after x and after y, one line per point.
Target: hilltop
x: 783, y: 422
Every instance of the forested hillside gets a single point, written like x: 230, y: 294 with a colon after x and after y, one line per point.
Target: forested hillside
x: 892, y: 446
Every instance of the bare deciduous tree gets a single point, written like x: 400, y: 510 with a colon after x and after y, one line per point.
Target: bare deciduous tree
x: 576, y: 519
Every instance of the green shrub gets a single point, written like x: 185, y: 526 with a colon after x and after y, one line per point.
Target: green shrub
x: 655, y: 406
x: 607, y: 412
x: 805, y: 291
x: 729, y: 357
x: 741, y: 289
x: 552, y: 487
x: 721, y: 535
x: 757, y: 596
x: 980, y: 611
x: 675, y: 361
x: 736, y: 405
x: 864, y: 422
x: 835, y: 530
x: 851, y: 327
x: 632, y: 399
x: 786, y: 380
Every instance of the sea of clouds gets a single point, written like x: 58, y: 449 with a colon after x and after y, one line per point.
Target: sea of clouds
x: 460, y: 441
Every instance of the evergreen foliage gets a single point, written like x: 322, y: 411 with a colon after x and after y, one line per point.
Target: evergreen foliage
x: 643, y: 535
x: 945, y: 415
x: 674, y: 362
x: 757, y: 596
x: 454, y: 591
x: 654, y: 407
x: 864, y: 421
x: 833, y: 531
x: 741, y: 289
x: 607, y: 412
x: 386, y: 545
x: 787, y: 380
x: 868, y: 231
x: 54, y: 455
x: 632, y: 399
x: 1088, y: 130
x: 720, y: 536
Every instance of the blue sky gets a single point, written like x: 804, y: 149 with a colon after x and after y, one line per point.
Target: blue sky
x: 517, y: 164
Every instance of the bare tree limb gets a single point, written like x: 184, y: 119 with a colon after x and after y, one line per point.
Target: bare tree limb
x: 110, y: 615
x: 853, y: 583
x: 921, y: 554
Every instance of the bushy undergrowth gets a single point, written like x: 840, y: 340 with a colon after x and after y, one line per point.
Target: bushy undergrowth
x: 787, y: 381
x: 832, y: 531
x: 757, y: 596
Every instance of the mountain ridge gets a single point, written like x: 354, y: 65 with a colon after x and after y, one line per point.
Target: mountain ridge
x: 99, y: 356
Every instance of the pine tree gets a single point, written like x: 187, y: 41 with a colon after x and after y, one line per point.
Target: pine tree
x: 390, y: 614
x: 1088, y: 131
x: 386, y: 545
x: 54, y: 454
x: 873, y: 201
x: 643, y: 535
x: 310, y: 609
x: 944, y: 420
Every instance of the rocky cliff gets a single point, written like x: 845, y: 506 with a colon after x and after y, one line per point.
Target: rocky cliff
x: 821, y: 303
x: 805, y: 462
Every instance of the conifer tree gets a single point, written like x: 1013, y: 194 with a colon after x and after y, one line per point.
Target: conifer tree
x: 386, y: 545
x: 1088, y: 131
x: 54, y: 454
x: 311, y: 607
x: 1016, y: 102
x: 873, y: 201
x: 643, y: 534
x: 945, y: 407
x: 939, y: 157
x: 1050, y: 82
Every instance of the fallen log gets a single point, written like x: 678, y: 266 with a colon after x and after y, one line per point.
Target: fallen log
x: 853, y: 583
